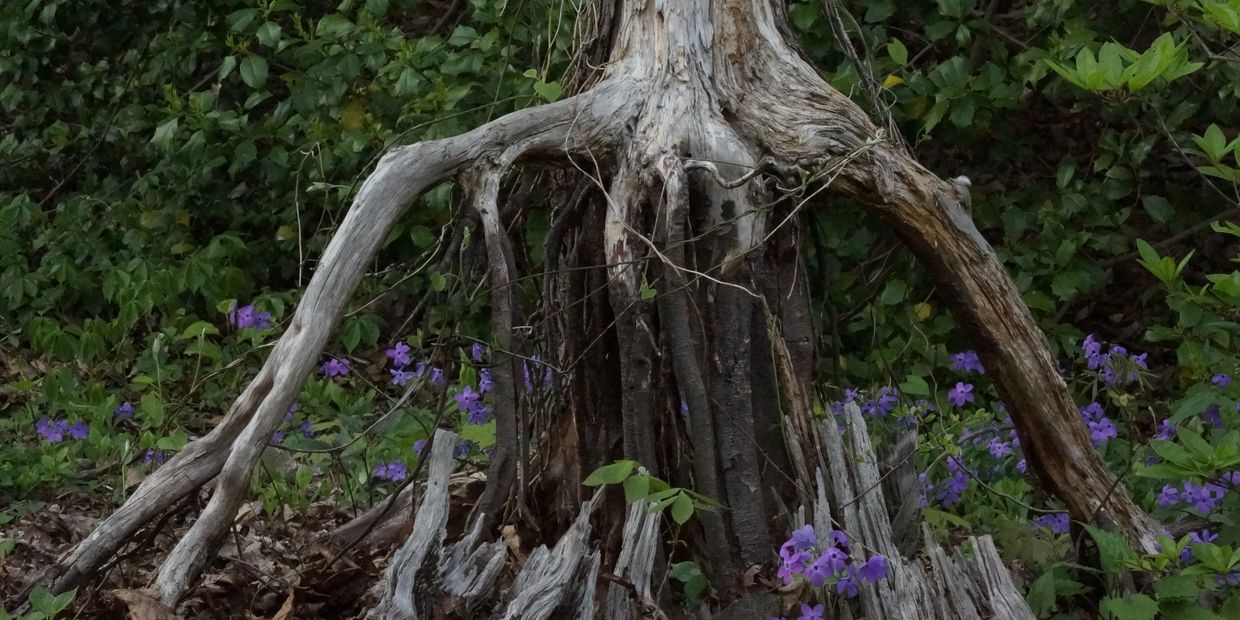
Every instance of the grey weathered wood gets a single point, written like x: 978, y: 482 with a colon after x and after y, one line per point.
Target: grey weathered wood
x: 541, y: 585
x: 469, y: 569
x: 635, y: 562
x: 426, y: 539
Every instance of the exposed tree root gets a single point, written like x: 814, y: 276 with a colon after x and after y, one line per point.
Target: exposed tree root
x: 712, y: 82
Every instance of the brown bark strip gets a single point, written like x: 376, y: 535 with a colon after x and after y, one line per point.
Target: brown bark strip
x: 731, y: 312
x: 674, y: 310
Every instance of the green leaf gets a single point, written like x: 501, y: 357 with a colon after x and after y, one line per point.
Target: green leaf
x: 1137, y: 607
x: 548, y: 90
x: 1041, y: 596
x: 200, y: 328
x: 254, y: 71
x: 895, y: 292
x: 915, y: 386
x: 1177, y: 587
x: 164, y: 133
x: 226, y: 67
x: 463, y: 35
x: 897, y: 51
x: 636, y: 487
x: 1158, y: 208
x: 682, y: 509
x: 610, y: 474
x: 1113, y: 550
x: 269, y: 34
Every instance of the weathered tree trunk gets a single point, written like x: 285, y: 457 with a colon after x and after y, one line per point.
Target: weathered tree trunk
x: 699, y: 100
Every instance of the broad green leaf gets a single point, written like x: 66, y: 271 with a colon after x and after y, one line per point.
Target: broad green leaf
x: 1136, y: 607
x: 897, y: 52
x: 682, y: 509
x: 254, y: 71
x: 1113, y: 550
x: 610, y: 474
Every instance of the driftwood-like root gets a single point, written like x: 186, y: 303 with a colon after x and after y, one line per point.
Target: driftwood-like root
x: 694, y: 80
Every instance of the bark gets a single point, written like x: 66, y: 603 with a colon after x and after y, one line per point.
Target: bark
x: 699, y: 100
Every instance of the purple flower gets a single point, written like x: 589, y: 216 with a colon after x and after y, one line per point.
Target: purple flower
x: 1093, y: 352
x: 874, y: 569
x: 335, y: 367
x: 53, y: 431
x: 834, y: 560
x: 1166, y: 430
x: 1102, y: 431
x: 123, y: 411
x: 812, y: 613
x: 400, y: 376
x: 276, y: 438
x: 419, y: 447
x: 961, y: 394
x: 463, y: 449
x: 288, y: 415
x: 152, y: 455
x: 394, y: 471
x: 793, y: 564
x: 1022, y: 466
x: 247, y: 316
x: 478, y: 414
x: 1222, y: 380
x: 1213, y: 416
x: 1092, y: 412
x: 79, y: 430
x: 999, y: 449
x: 818, y: 572
x: 839, y: 538
x: 684, y: 405
x: 1056, y: 522
x: 437, y: 376
x: 967, y: 361
x: 887, y: 399
x: 399, y: 354
x: 467, y: 398
x: 1205, y: 498
x: 306, y: 430
x: 1169, y: 496
x: 802, y: 538
x: 485, y: 384
x: 477, y: 352
x: 847, y: 586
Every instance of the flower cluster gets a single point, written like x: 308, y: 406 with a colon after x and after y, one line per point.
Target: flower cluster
x: 829, y: 562
x: 1115, y: 367
x: 1101, y: 428
x: 1196, y: 538
x: 1203, y: 497
x: 884, y: 401
x: 957, y: 482
x: 123, y: 411
x: 1056, y: 522
x: 304, y: 427
x: 398, y: 354
x: 247, y: 317
x: 54, y: 431
x: 335, y: 367
x: 154, y: 456
x: 394, y: 471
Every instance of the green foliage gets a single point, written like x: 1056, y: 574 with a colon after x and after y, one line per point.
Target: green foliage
x: 639, y: 485
x: 45, y: 605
